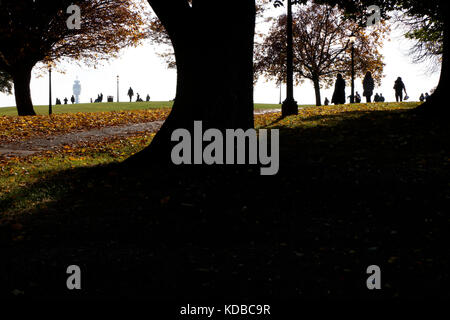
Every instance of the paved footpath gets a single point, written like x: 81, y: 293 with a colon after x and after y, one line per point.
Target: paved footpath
x: 35, y: 145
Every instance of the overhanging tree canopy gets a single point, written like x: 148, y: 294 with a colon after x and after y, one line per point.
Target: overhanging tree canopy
x: 427, y: 34
x: 5, y: 83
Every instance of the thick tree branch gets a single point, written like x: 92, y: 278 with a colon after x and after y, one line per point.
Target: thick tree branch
x: 173, y: 14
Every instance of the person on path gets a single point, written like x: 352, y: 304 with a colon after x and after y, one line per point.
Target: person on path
x: 399, y: 88
x: 368, y: 86
x: 130, y: 93
x: 339, y: 91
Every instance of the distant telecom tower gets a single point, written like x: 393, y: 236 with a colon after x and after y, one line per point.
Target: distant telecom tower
x: 77, y: 90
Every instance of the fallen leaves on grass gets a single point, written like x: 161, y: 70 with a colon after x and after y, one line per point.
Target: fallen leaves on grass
x: 13, y: 129
x: 323, y: 114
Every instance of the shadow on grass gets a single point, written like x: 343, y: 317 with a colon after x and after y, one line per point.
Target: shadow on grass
x: 367, y: 190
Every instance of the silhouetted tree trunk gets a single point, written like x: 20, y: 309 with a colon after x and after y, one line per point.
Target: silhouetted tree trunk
x: 213, y: 44
x: 21, y: 78
x: 317, y: 91
x: 437, y: 104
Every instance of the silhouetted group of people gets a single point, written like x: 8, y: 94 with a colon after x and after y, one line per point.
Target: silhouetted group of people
x: 99, y: 98
x: 379, y: 98
x: 58, y: 101
x: 368, y: 86
x: 138, y: 99
x: 424, y: 97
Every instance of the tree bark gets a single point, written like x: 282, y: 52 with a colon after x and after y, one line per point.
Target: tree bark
x: 317, y: 91
x: 214, y: 58
x: 21, y: 78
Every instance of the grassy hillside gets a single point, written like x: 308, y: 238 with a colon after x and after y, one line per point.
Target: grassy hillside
x: 98, y: 107
x: 358, y: 185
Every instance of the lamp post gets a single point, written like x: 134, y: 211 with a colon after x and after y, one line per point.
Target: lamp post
x: 289, y: 106
x: 280, y: 80
x: 352, y: 41
x: 280, y: 92
x: 117, y: 88
x: 50, y: 111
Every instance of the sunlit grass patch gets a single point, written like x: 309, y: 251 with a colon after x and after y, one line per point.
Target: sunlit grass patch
x: 110, y: 106
x: 327, y: 115
x: 17, y: 175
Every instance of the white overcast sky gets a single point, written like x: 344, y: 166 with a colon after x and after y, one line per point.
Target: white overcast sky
x: 143, y: 70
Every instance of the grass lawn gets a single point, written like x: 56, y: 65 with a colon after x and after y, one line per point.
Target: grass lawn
x: 358, y: 186
x: 104, y: 107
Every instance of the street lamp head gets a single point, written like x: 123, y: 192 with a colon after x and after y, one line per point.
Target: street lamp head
x: 280, y: 3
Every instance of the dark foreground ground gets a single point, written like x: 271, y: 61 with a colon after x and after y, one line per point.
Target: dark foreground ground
x: 371, y: 191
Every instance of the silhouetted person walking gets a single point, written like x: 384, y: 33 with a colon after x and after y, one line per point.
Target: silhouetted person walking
x: 327, y: 102
x: 426, y: 96
x: 399, y: 87
x: 148, y: 98
x: 382, y: 98
x: 368, y: 86
x: 72, y: 99
x: 130, y: 93
x: 339, y: 91
x: 422, y: 98
x: 357, y: 97
x: 66, y: 100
